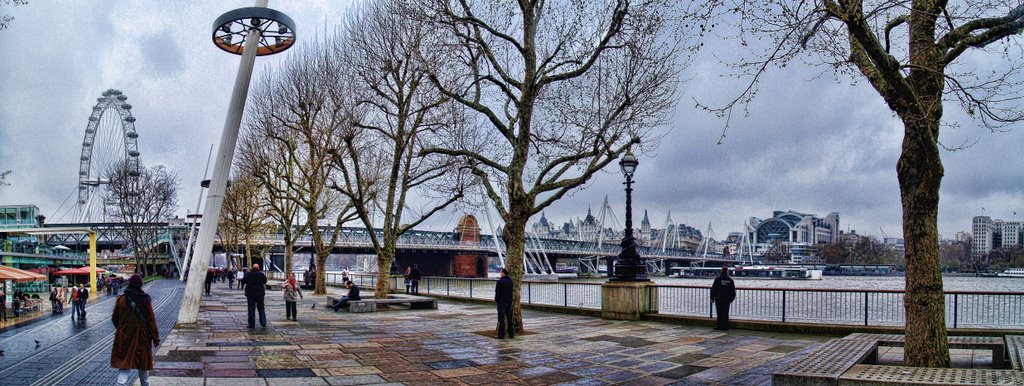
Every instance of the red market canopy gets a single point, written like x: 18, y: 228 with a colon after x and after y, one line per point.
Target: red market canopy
x: 19, y: 276
x: 78, y: 271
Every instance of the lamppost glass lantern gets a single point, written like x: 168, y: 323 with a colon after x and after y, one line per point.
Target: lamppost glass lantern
x: 628, y: 266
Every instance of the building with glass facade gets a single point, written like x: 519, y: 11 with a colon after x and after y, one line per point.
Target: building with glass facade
x: 793, y: 232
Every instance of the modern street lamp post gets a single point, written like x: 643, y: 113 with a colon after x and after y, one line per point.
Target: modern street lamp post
x: 250, y: 32
x: 628, y: 267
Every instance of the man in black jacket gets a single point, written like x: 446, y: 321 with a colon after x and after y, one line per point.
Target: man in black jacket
x: 723, y: 292
x: 209, y: 280
x: 415, y: 275
x: 83, y: 299
x: 353, y: 294
x: 503, y: 296
x: 255, y: 290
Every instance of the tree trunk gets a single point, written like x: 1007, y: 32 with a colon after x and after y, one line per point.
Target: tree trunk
x: 384, y: 261
x: 288, y: 255
x: 920, y: 173
x: 321, y: 272
x: 515, y: 242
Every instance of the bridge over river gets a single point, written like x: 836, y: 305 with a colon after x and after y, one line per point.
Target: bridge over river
x: 437, y: 252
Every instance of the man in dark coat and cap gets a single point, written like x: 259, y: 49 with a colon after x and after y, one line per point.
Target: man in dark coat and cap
x: 136, y: 334
x: 723, y: 292
x: 255, y: 290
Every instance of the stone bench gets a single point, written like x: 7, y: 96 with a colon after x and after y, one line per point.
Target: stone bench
x: 899, y: 375
x: 994, y: 344
x: 370, y: 304
x: 825, y: 365
x: 1015, y: 351
x: 274, y: 286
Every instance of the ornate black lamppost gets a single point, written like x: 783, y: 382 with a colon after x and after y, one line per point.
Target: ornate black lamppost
x: 628, y: 266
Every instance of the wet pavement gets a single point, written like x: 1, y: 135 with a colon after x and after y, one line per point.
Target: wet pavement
x: 454, y: 345
x: 54, y: 350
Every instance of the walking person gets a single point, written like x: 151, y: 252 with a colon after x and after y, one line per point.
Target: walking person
x: 255, y: 292
x: 3, y: 305
x: 83, y: 299
x: 408, y: 279
x: 415, y: 275
x: 723, y: 292
x: 53, y: 300
x: 503, y: 297
x: 344, y: 275
x: 292, y: 294
x: 231, y: 279
x: 210, y: 277
x: 136, y: 333
x: 73, y: 299
x: 239, y: 276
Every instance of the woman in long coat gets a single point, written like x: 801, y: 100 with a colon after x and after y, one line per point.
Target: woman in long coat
x: 136, y: 334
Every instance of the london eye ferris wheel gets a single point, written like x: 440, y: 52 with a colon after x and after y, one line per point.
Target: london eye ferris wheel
x: 110, y: 142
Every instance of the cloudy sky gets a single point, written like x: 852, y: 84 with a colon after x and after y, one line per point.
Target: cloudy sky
x: 810, y: 144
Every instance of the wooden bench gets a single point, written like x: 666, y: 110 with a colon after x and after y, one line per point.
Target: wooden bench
x: 994, y: 344
x: 900, y: 375
x: 370, y: 304
x: 825, y: 365
x: 1015, y: 351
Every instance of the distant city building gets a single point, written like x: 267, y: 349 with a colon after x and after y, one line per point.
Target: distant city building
x: 981, y: 235
x: 988, y: 234
x: 19, y: 216
x: 676, y: 236
x: 794, y: 233
x: 896, y: 244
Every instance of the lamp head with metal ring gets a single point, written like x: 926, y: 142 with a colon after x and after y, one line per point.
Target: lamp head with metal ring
x: 277, y: 30
x: 628, y: 163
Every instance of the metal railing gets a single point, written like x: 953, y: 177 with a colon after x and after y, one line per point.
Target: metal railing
x: 817, y: 306
x: 850, y: 307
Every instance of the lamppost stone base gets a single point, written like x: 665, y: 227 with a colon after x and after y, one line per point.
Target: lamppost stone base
x: 628, y: 300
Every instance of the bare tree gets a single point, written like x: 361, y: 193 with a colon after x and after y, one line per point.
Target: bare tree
x: 912, y: 53
x: 244, y: 215
x: 3, y: 178
x: 562, y: 89
x: 296, y: 102
x: 5, y: 20
x: 271, y: 165
x: 397, y: 112
x: 142, y: 196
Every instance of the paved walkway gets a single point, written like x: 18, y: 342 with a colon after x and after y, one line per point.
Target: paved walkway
x: 54, y: 350
x: 454, y: 345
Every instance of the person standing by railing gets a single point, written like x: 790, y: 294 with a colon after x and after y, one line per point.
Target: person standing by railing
x: 503, y: 297
x: 723, y: 292
x: 415, y: 275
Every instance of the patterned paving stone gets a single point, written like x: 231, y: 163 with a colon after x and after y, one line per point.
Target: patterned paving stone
x: 443, y: 347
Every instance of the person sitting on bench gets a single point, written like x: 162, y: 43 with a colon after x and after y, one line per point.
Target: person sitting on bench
x: 353, y: 294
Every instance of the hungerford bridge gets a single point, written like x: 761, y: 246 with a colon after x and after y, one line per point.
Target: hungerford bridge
x: 437, y: 253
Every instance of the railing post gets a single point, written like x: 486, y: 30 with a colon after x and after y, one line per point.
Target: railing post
x: 448, y: 286
x: 955, y: 309
x: 471, y: 288
x: 783, y: 306
x: 865, y: 308
x: 565, y: 294
x: 428, y: 284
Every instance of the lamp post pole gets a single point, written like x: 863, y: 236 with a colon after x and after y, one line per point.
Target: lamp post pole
x: 256, y: 26
x: 628, y: 266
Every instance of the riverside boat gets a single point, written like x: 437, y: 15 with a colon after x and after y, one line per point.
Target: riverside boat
x: 1012, y: 272
x: 752, y: 272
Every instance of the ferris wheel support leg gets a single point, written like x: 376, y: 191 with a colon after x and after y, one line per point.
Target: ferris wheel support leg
x: 189, y: 310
